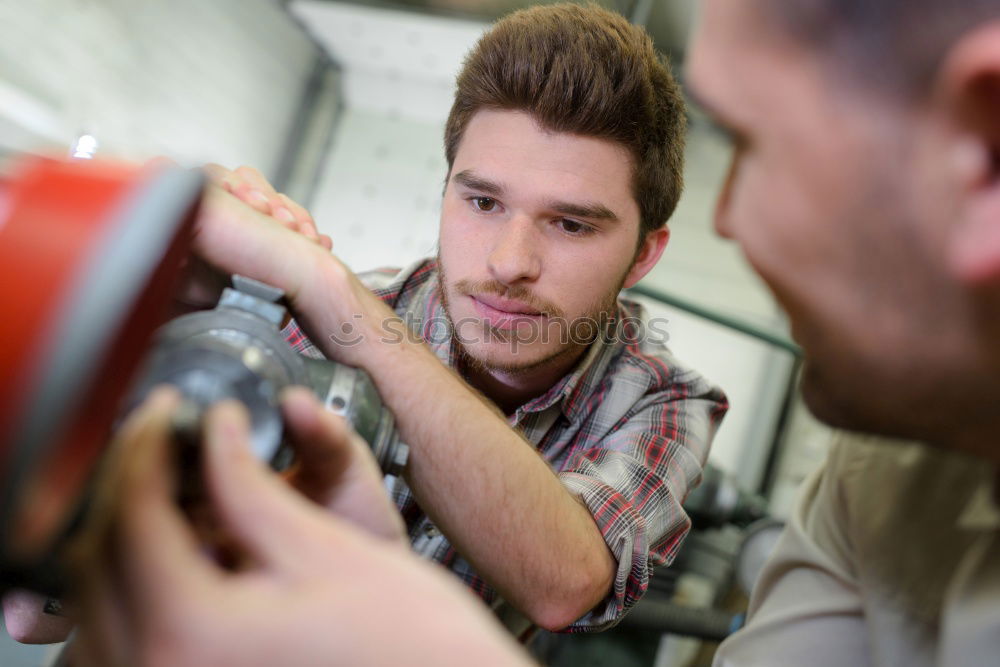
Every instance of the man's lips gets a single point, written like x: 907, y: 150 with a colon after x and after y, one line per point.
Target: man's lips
x: 506, y: 306
x: 503, y: 314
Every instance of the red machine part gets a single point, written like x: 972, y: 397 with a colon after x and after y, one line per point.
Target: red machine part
x: 59, y: 223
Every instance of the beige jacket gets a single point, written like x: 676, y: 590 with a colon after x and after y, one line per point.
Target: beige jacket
x: 892, y: 557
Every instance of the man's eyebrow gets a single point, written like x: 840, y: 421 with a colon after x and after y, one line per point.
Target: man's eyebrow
x: 590, y: 210
x: 469, y: 179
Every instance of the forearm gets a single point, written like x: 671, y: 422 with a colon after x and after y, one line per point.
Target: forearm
x: 489, y: 491
x: 495, y: 498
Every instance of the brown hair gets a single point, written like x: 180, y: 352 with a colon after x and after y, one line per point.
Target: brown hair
x: 586, y: 71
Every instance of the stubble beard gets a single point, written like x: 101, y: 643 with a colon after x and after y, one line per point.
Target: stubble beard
x: 573, y: 337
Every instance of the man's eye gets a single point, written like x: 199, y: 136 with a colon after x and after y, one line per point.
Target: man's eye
x: 484, y: 204
x: 573, y: 227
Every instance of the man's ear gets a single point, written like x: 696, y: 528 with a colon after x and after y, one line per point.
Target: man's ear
x: 649, y: 254
x: 969, y: 83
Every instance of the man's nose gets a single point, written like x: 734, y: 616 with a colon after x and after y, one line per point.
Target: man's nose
x: 516, y: 255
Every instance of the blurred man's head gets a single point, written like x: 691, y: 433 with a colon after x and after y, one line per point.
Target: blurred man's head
x: 865, y: 191
x: 564, y: 149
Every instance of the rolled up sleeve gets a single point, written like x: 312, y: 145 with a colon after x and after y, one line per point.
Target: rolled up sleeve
x: 633, y: 481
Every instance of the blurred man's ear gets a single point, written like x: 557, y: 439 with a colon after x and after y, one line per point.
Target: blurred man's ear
x: 970, y: 85
x: 649, y: 254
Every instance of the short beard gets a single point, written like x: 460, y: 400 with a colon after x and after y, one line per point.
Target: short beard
x: 604, y: 314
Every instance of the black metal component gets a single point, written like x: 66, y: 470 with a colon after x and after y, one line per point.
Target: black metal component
x: 718, y: 501
x: 237, y: 352
x: 669, y: 618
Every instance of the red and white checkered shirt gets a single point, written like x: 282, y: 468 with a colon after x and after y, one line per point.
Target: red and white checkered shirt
x: 628, y: 431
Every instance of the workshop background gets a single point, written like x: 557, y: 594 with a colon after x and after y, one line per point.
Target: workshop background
x: 342, y: 105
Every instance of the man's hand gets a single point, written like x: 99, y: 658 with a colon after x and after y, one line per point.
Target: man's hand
x: 249, y: 186
x: 313, y: 589
x: 335, y: 468
x: 236, y: 209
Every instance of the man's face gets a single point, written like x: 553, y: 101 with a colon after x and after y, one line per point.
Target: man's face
x: 538, y: 234
x: 836, y: 200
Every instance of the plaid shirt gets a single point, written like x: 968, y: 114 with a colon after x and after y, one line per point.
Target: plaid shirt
x: 628, y: 431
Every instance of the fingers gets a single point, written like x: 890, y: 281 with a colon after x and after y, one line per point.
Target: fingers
x: 218, y: 174
x: 247, y: 191
x: 295, y: 216
x: 137, y: 553
x: 250, y: 192
x: 26, y: 621
x: 256, y: 180
x: 268, y: 519
x: 336, y: 468
x: 157, y: 550
x: 252, y: 188
x: 321, y: 441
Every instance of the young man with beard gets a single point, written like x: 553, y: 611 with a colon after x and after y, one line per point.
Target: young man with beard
x: 564, y: 148
x: 865, y: 190
x: 551, y: 443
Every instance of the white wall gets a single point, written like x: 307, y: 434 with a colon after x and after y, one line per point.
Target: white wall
x: 197, y: 80
x: 380, y: 191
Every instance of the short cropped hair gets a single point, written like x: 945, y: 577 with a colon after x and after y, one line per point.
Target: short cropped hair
x: 895, y: 46
x: 586, y: 71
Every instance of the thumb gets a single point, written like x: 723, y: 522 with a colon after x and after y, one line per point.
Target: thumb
x: 322, y: 444
x: 336, y: 468
x: 265, y: 516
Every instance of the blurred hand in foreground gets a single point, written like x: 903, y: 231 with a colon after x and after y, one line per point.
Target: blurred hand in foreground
x: 311, y: 587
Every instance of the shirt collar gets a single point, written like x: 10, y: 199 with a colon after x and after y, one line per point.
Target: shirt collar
x: 575, y: 388
x: 571, y: 384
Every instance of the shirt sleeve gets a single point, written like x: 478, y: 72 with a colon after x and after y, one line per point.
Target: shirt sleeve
x: 806, y: 608
x: 633, y: 481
